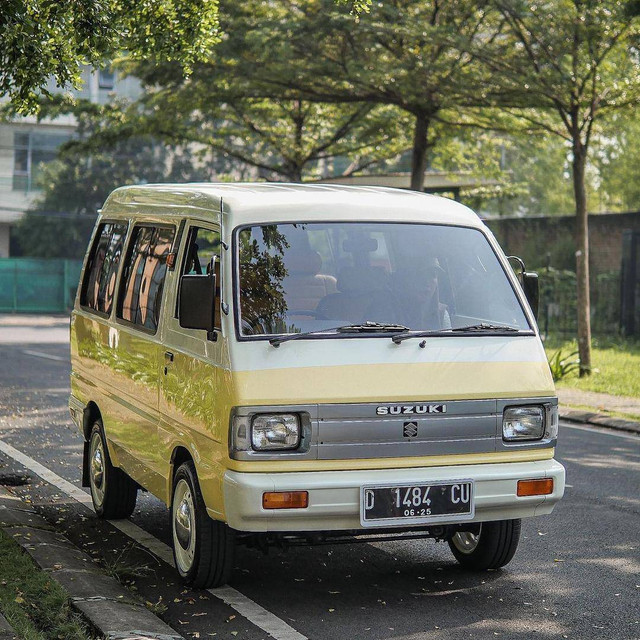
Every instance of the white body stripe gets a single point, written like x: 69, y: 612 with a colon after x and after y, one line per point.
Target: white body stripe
x: 260, y: 355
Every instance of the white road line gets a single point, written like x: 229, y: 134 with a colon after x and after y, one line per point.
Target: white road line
x: 39, y: 354
x: 46, y: 474
x: 606, y: 432
x: 252, y: 611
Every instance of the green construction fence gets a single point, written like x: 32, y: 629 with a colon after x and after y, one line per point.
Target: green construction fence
x: 38, y: 285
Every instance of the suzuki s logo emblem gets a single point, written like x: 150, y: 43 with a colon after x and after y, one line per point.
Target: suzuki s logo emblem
x: 410, y: 429
x: 411, y: 409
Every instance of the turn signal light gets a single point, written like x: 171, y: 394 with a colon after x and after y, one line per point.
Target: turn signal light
x: 285, y: 500
x: 542, y: 487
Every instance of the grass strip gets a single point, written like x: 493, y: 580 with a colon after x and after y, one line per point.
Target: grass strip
x: 616, y: 364
x: 35, y: 605
x: 611, y: 414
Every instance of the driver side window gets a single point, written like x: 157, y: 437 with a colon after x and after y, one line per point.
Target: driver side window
x: 201, y: 255
x: 202, y: 245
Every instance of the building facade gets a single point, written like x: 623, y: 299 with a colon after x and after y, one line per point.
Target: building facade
x: 26, y: 145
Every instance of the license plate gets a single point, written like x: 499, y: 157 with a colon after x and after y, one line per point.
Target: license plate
x: 417, y: 503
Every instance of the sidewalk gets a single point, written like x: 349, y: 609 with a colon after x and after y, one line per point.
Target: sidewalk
x: 33, y: 320
x: 6, y: 632
x: 596, y: 409
x: 16, y: 328
x: 107, y: 606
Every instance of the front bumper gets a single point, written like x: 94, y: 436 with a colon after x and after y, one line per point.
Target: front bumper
x: 334, y: 496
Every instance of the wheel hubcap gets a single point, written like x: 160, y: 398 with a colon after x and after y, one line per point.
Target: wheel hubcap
x: 466, y: 541
x: 96, y: 471
x: 184, y: 526
x: 183, y: 523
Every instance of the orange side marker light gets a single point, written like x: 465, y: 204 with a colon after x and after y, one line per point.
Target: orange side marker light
x: 541, y: 487
x: 285, y: 500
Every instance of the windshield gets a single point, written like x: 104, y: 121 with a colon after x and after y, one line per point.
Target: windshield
x: 311, y: 276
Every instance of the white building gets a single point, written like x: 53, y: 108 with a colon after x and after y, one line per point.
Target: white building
x: 25, y: 145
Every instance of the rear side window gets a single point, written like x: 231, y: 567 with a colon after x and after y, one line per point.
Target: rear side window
x: 98, y: 290
x: 143, y: 276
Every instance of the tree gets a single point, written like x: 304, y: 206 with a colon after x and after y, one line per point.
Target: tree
x: 75, y: 186
x: 226, y: 108
x: 284, y: 139
x: 42, y: 39
x: 403, y: 53
x: 617, y: 159
x: 576, y: 60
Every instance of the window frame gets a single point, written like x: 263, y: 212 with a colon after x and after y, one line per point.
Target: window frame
x: 87, y: 266
x: 187, y: 231
x: 127, y: 255
x: 30, y: 147
x: 235, y: 275
x: 107, y: 78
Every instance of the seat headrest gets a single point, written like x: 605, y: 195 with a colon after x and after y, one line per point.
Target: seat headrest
x: 361, y: 280
x: 302, y: 263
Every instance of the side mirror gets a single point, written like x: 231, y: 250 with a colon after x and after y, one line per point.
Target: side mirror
x: 530, y: 285
x: 197, y: 301
x: 531, y: 288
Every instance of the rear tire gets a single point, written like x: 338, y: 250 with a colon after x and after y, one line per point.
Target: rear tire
x: 113, y: 492
x: 203, y: 548
x: 492, y: 547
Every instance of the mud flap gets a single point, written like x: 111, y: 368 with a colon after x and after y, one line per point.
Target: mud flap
x: 85, y: 465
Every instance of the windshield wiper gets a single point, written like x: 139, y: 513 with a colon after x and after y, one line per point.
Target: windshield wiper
x: 472, y: 328
x: 485, y: 326
x: 363, y: 327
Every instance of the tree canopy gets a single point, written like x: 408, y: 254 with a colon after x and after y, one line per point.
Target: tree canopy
x: 44, y: 41
x: 75, y: 186
x: 574, y: 61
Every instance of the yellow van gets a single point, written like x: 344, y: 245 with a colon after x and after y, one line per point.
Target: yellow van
x: 310, y: 363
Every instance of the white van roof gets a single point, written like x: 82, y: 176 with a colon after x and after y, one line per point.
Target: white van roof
x: 244, y: 203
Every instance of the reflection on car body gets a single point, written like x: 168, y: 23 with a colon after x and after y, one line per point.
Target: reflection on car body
x: 288, y: 362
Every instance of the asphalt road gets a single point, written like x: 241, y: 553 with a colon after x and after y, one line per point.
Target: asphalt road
x: 576, y: 573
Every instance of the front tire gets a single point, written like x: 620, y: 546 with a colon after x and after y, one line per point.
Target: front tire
x: 203, y: 548
x: 113, y: 492
x: 490, y: 546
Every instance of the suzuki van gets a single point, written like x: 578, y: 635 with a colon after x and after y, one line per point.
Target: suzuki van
x: 286, y: 364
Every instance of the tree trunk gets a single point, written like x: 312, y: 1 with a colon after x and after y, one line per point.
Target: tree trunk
x: 582, y: 258
x: 295, y: 173
x: 419, y: 155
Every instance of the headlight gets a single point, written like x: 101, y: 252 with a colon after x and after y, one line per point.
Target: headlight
x: 523, y: 423
x: 275, y: 431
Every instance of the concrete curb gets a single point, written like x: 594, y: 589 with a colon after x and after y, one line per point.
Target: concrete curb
x: 98, y: 597
x: 6, y: 631
x: 599, y: 420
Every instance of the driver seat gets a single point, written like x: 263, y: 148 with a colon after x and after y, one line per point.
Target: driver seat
x: 304, y: 286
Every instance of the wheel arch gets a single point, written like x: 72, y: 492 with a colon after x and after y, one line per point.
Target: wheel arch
x: 179, y: 455
x: 90, y: 416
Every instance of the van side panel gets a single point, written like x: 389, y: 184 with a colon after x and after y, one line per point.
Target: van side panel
x: 194, y: 388
x: 118, y: 371
x: 193, y: 416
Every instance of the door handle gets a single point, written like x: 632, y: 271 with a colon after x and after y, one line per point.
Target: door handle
x: 168, y: 358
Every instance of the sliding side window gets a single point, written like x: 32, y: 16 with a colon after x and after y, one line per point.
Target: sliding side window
x: 143, y: 276
x: 98, y: 288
